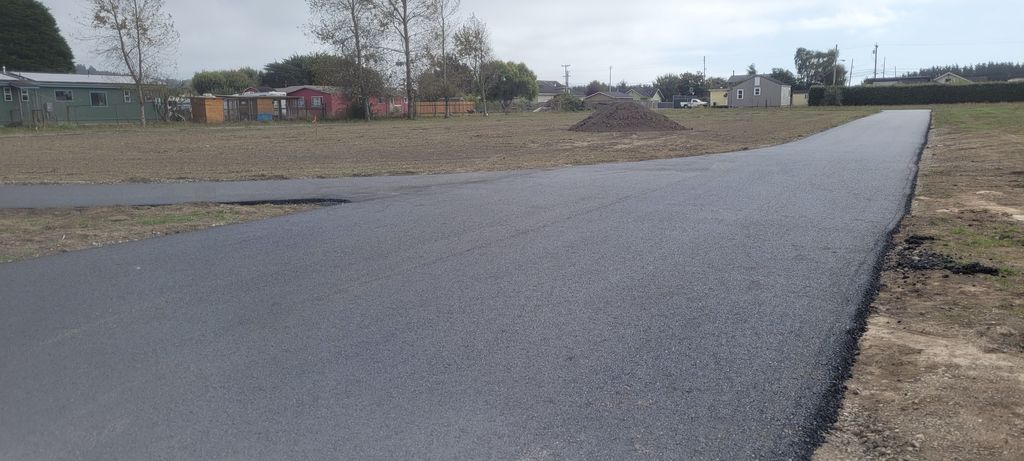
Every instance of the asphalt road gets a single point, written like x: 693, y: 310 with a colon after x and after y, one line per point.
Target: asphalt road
x: 695, y: 308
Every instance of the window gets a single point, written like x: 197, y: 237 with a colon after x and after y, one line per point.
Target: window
x: 380, y: 100
x: 757, y: 81
x: 127, y: 96
x: 739, y: 94
x: 99, y: 99
x: 301, y: 103
x: 149, y: 97
x: 8, y: 96
x: 757, y: 91
x: 318, y: 101
x: 24, y: 95
x: 63, y: 95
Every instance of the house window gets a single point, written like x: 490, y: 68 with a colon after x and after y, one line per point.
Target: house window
x: 318, y: 101
x: 127, y: 96
x: 24, y: 95
x: 300, y: 103
x: 64, y: 95
x: 757, y: 91
x: 380, y: 100
x: 8, y: 96
x: 757, y: 81
x: 98, y: 99
x: 739, y: 94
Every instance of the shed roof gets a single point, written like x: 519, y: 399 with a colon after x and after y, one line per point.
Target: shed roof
x: 737, y: 79
x: 322, y: 89
x: 7, y: 78
x: 550, y: 87
x: 611, y: 94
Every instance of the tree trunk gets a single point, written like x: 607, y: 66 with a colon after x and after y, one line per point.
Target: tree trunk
x: 142, y: 104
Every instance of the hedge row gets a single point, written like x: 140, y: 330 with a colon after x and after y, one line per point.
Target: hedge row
x: 915, y: 94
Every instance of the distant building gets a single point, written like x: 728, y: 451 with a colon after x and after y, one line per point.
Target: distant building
x: 949, y: 78
x: 649, y: 94
x: 606, y: 97
x: 328, y: 102
x: 548, y: 89
x: 35, y: 98
x: 758, y: 91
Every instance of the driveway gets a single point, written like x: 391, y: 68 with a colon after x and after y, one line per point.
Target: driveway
x: 696, y: 308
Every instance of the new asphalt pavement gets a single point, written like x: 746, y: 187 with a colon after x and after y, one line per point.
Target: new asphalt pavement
x: 695, y: 308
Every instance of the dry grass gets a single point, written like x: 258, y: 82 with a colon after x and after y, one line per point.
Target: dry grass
x: 33, y: 233
x: 425, y: 146
x: 941, y: 370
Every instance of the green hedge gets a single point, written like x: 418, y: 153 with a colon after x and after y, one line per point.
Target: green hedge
x: 917, y: 94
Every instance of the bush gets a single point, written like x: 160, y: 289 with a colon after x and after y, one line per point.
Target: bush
x: 566, y: 103
x: 919, y: 94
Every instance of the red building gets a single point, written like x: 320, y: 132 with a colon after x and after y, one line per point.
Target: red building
x: 330, y: 103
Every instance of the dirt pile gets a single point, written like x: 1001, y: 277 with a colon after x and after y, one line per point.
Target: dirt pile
x: 625, y: 117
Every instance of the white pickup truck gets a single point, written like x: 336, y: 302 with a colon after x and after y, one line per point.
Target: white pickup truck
x: 692, y: 103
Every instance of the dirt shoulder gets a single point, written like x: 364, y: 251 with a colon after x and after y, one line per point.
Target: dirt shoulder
x: 391, y: 147
x: 32, y: 233
x: 940, y: 374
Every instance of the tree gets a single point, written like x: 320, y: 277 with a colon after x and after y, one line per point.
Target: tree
x: 442, y: 13
x: 350, y: 27
x: 751, y: 70
x: 817, y: 67
x: 593, y: 88
x: 473, y: 45
x: 622, y: 87
x: 784, y: 76
x: 668, y: 84
x: 993, y: 71
x: 432, y: 84
x: 404, y: 18
x: 134, y: 35
x: 512, y: 80
x: 224, y: 81
x: 293, y: 71
x: 30, y: 40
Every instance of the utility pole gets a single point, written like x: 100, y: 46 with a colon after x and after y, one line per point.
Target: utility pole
x: 609, y: 79
x: 876, y: 60
x: 883, y: 67
x: 849, y: 77
x: 835, y: 66
x: 566, y: 67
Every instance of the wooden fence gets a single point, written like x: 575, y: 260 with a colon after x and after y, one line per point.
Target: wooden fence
x: 436, y: 109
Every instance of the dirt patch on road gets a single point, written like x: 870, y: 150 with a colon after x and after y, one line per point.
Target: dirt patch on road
x: 940, y: 373
x: 625, y: 117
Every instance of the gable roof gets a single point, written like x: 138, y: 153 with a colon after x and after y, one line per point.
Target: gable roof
x: 550, y: 87
x: 737, y: 79
x: 611, y: 94
x: 322, y: 89
x: 646, y: 91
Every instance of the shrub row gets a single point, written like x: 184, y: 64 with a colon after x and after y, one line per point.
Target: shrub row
x: 915, y: 94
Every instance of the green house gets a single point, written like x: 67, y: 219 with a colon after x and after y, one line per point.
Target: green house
x: 31, y: 98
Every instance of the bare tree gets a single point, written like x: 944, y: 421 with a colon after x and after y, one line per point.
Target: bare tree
x: 473, y: 44
x: 136, y: 36
x: 404, y: 18
x: 351, y: 27
x: 443, y: 14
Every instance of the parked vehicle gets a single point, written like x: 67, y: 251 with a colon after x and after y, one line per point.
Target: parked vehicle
x: 692, y: 103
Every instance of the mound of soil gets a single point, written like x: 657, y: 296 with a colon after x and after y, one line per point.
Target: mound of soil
x: 625, y: 117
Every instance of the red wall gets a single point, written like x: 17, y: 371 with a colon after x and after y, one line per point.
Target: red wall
x: 336, y: 106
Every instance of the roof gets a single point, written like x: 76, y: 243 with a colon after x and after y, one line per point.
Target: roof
x: 75, y: 78
x: 645, y: 91
x: 737, y: 79
x: 7, y: 78
x: 611, y: 94
x: 322, y: 89
x: 549, y: 87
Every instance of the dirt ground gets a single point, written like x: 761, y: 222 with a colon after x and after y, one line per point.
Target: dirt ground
x: 33, y: 233
x: 940, y: 375
x: 393, y: 147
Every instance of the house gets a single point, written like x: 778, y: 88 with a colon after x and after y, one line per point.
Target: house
x: 649, y: 94
x: 548, y: 89
x: 758, y: 91
x: 893, y: 81
x: 606, y: 97
x: 37, y: 98
x: 327, y: 102
x: 950, y: 78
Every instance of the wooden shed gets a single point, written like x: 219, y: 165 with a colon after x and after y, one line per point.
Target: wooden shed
x: 207, y: 109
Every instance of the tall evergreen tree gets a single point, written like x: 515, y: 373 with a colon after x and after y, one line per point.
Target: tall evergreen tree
x: 30, y: 40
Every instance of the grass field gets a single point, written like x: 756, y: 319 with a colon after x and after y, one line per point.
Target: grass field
x: 941, y: 370
x: 393, y: 147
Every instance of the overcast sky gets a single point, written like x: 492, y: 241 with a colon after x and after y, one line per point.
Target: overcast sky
x: 639, y: 39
